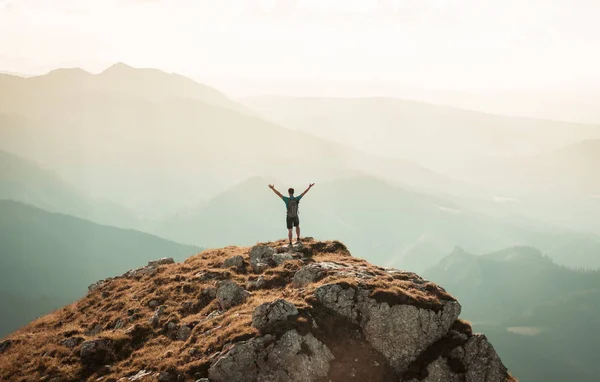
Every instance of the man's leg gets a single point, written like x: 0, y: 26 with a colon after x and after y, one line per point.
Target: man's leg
x: 298, y: 232
x: 290, y: 235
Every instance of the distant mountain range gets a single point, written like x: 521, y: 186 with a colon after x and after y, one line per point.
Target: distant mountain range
x: 423, y: 132
x: 542, y: 318
x: 145, y: 138
x: 383, y: 223
x: 49, y: 259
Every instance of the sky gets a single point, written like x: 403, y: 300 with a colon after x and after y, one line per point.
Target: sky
x: 319, y: 47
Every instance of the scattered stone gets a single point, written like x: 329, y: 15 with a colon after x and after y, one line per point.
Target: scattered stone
x: 171, y: 326
x: 71, y: 342
x: 153, y: 303
x: 119, y: 324
x: 96, y: 285
x: 260, y: 257
x: 230, y: 294
x: 166, y: 376
x: 203, y: 380
x: 211, y: 275
x: 5, y: 345
x: 234, y: 262
x: 184, y: 333
x: 162, y: 261
x: 212, y: 315
x: 95, y: 351
x: 269, y: 313
x: 94, y: 330
x: 280, y: 258
x: 155, y: 319
x: 138, y: 273
x: 140, y: 375
x: 256, y: 284
x: 210, y: 292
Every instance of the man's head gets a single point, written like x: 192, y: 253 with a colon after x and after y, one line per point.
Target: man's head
x: 291, y: 191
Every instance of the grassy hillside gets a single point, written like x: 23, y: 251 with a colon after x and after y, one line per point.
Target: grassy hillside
x: 49, y: 259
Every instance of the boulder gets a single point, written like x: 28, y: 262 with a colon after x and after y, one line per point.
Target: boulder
x: 261, y: 256
x: 270, y: 313
x: 234, y: 262
x: 183, y: 333
x: 230, y: 294
x: 280, y: 258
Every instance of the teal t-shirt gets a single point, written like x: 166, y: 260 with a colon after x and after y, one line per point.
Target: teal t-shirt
x: 286, y: 200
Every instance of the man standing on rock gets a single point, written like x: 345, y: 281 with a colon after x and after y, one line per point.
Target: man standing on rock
x: 291, y: 204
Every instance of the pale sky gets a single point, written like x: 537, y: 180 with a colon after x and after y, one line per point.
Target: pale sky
x: 351, y: 47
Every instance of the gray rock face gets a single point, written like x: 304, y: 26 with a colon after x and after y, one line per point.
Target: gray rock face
x: 269, y: 313
x: 230, y: 294
x: 482, y: 362
x: 478, y: 358
x: 234, y: 262
x: 399, y: 332
x: 291, y: 358
x: 5, y: 345
x: 260, y: 257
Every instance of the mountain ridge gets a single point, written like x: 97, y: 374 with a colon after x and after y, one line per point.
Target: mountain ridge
x: 245, y: 314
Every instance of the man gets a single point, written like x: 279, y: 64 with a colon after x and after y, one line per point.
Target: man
x: 291, y: 205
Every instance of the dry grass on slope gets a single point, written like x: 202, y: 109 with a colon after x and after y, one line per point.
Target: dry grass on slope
x: 120, y: 309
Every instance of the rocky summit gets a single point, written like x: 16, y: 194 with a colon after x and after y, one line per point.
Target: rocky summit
x: 267, y: 313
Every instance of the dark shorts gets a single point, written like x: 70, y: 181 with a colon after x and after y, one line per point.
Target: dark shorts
x: 295, y: 222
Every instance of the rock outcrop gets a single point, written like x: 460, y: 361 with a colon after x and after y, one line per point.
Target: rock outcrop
x: 308, y: 313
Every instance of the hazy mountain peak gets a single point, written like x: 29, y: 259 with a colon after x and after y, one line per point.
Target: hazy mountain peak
x: 518, y: 253
x: 119, y: 66
x: 203, y: 313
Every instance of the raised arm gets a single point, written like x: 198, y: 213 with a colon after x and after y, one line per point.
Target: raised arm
x: 272, y: 187
x: 308, y: 189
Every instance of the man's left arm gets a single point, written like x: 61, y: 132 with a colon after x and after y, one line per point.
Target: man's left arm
x: 308, y: 189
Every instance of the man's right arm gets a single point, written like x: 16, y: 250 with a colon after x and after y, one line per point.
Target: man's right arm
x: 272, y: 187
